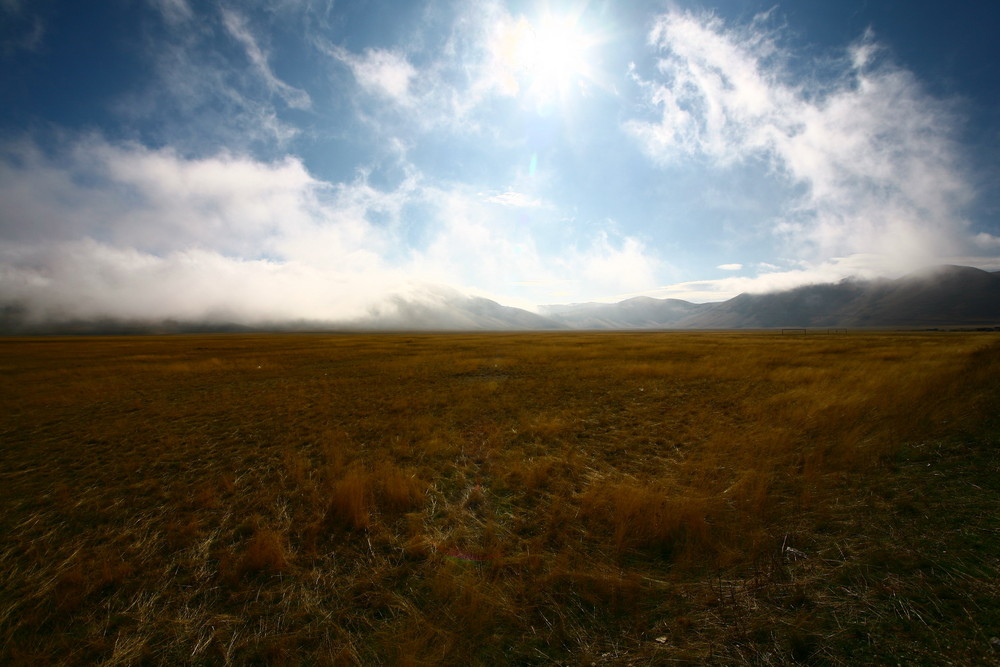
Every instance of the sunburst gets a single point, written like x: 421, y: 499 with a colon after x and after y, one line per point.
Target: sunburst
x: 546, y: 58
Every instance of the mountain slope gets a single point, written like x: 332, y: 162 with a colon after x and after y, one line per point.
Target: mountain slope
x: 452, y: 311
x: 944, y: 295
x: 641, y: 312
x: 941, y: 295
x: 431, y: 309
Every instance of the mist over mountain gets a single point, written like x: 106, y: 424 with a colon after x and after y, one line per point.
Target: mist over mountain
x: 939, y: 296
x: 641, y: 312
x: 452, y: 311
x: 441, y: 309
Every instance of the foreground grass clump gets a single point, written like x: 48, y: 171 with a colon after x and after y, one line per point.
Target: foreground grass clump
x: 500, y: 498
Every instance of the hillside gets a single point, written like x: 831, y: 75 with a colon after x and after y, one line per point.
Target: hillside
x: 945, y: 295
x: 641, y: 312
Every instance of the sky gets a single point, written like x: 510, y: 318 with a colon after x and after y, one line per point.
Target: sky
x: 311, y: 159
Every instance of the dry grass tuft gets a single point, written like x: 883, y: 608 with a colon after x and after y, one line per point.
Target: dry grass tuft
x: 266, y: 553
x: 397, y: 490
x: 648, y: 517
x: 80, y: 581
x: 351, y: 502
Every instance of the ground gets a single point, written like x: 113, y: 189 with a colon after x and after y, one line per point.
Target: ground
x: 613, y: 498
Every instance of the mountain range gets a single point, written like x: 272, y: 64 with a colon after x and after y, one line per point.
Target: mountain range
x: 939, y: 296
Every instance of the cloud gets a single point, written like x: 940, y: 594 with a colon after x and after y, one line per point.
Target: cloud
x: 236, y: 26
x: 200, y: 96
x: 514, y: 200
x: 124, y: 230
x: 152, y: 199
x: 873, y: 154
x: 381, y: 72
x: 987, y: 241
x: 174, y: 11
x: 493, y: 249
x: 105, y: 229
x: 730, y: 267
x: 456, y: 83
x: 775, y: 279
x: 24, y: 30
x: 616, y: 267
x: 86, y: 279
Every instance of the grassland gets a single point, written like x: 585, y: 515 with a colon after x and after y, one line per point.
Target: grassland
x: 500, y: 498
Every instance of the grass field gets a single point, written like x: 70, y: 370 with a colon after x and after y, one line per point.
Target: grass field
x: 569, y: 498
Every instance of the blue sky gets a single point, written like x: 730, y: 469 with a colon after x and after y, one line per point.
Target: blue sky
x: 273, y: 159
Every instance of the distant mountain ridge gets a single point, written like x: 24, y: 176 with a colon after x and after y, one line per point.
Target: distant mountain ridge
x: 940, y: 296
x: 641, y: 312
x: 452, y: 311
x: 440, y: 309
x: 935, y: 297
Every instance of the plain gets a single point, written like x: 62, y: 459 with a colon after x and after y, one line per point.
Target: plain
x: 500, y: 498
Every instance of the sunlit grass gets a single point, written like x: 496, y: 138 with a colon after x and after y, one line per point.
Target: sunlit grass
x: 522, y: 498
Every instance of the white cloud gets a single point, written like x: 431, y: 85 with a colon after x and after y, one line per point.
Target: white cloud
x: 128, y: 231
x: 236, y: 26
x: 154, y: 199
x: 122, y: 230
x: 730, y: 267
x: 88, y: 279
x: 872, y: 150
x: 475, y: 243
x: 378, y: 71
x: 987, y: 241
x: 615, y: 267
x: 513, y: 199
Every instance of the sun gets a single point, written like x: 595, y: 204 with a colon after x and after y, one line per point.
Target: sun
x: 554, y: 51
x: 545, y: 58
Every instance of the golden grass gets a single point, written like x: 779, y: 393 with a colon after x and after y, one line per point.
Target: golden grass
x: 491, y: 498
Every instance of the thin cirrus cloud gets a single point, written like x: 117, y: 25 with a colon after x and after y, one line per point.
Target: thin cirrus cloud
x: 490, y: 54
x: 237, y: 27
x: 455, y: 81
x: 873, y: 152
x: 200, y: 97
x: 175, y: 12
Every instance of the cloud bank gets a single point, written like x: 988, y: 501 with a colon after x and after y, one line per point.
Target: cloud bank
x: 124, y: 231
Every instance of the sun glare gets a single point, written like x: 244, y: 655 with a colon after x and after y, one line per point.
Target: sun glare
x: 545, y: 58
